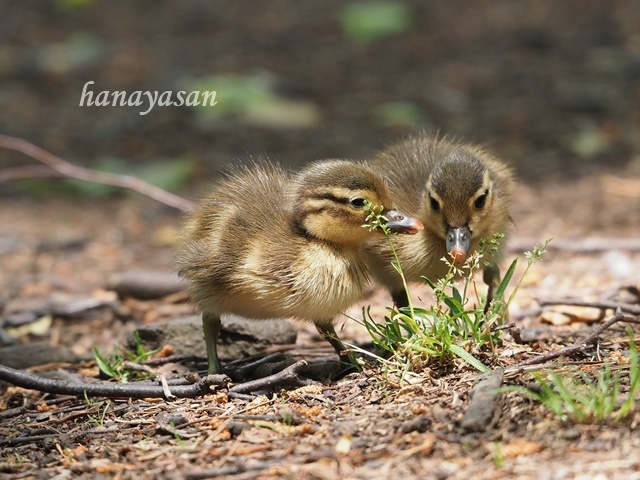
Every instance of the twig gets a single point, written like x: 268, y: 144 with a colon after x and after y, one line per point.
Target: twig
x: 29, y: 171
x: 81, y: 173
x: 586, y: 245
x: 626, y: 307
x: 111, y: 390
x: 580, y: 344
x: 165, y: 388
x: 12, y: 442
x: 14, y: 412
x: 170, y: 359
x: 288, y: 376
x: 242, y: 372
x: 238, y: 469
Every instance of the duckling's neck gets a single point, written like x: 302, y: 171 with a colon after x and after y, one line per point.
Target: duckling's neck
x: 319, y: 228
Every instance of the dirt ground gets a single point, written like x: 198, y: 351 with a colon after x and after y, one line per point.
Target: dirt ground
x: 551, y: 88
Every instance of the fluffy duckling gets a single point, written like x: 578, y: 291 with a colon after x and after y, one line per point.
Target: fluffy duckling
x: 269, y: 244
x: 460, y: 193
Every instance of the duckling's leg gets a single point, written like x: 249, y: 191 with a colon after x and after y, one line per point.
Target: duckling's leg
x: 327, y: 331
x: 400, y: 298
x: 490, y: 276
x: 211, y: 326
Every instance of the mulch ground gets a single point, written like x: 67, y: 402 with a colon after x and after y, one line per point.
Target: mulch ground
x: 368, y: 424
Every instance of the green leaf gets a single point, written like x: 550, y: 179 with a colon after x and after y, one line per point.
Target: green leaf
x: 369, y: 21
x: 397, y: 114
x: 505, y: 281
x: 467, y: 357
x: 453, y: 305
x: 104, y: 365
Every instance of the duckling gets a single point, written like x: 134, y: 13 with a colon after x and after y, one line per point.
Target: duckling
x: 270, y: 244
x: 460, y: 192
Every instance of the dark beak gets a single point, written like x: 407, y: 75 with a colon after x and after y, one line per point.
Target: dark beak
x: 458, y: 242
x: 402, y: 223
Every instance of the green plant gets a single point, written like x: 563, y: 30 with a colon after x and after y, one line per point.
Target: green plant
x: 397, y: 114
x: 371, y: 20
x: 572, y: 394
x: 98, y: 420
x: 184, y: 446
x: 119, y: 365
x: 252, y: 99
x: 496, y: 453
x: 13, y: 459
x: 452, y: 326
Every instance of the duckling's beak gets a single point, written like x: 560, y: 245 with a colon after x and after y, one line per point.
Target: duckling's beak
x: 458, y: 242
x: 403, y: 223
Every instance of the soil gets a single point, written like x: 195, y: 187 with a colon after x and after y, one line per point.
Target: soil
x: 550, y: 87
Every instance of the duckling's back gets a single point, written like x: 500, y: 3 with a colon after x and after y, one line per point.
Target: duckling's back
x: 246, y: 204
x: 240, y: 199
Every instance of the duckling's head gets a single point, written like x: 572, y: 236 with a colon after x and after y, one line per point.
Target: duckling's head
x: 330, y: 198
x: 466, y: 197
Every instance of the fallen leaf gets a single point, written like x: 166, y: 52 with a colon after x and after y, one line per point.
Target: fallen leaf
x: 555, y: 318
x: 518, y: 448
x: 580, y: 314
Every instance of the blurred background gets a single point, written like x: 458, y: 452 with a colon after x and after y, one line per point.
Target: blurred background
x: 551, y: 87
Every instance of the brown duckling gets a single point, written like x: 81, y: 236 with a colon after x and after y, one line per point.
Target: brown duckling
x: 269, y: 244
x: 461, y: 194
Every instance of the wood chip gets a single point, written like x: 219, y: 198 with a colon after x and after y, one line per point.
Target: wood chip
x: 554, y: 318
x: 566, y: 314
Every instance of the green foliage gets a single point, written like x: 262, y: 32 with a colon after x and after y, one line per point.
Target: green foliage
x: 252, y: 99
x: 235, y: 94
x: 166, y: 174
x: 101, y: 409
x: 117, y: 365
x: 496, y: 453
x: 368, y: 21
x: 574, y: 395
x: 397, y: 114
x: 451, y: 327
x: 77, y: 51
x: 73, y: 4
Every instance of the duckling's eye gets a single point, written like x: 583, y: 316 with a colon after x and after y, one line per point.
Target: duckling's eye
x: 357, y: 202
x: 481, y: 200
x: 435, y: 205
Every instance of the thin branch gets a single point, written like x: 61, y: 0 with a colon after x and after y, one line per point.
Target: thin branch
x: 28, y: 171
x: 578, y: 245
x: 81, y: 173
x: 580, y: 344
x: 626, y: 307
x: 111, y: 390
x: 288, y: 376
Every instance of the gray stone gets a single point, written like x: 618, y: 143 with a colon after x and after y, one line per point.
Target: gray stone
x: 37, y: 353
x: 240, y: 337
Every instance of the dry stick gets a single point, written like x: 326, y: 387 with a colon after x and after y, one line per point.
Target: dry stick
x: 33, y: 438
x: 577, y: 346
x: 288, y: 376
x: 82, y: 173
x: 29, y: 171
x: 169, y: 359
x: 130, y: 390
x: 627, y: 307
x: 586, y: 245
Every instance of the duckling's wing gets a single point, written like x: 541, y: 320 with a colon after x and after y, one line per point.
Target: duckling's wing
x: 232, y: 242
